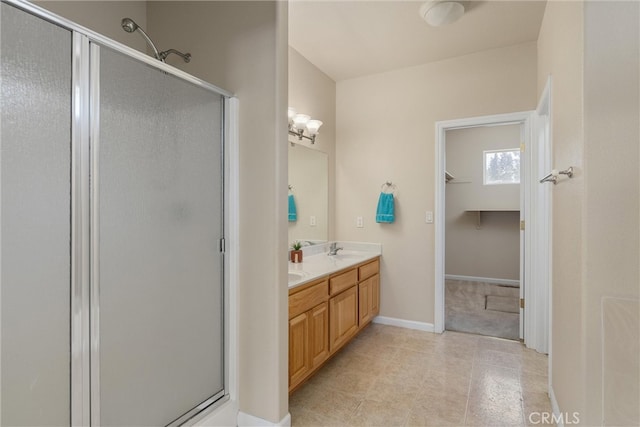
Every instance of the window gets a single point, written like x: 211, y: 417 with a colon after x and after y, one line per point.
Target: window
x: 502, y: 166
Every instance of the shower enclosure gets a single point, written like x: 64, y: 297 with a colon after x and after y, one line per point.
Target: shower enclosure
x: 112, y: 231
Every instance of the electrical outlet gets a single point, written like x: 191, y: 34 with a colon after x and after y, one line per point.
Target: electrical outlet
x: 359, y: 222
x: 312, y: 220
x: 429, y: 217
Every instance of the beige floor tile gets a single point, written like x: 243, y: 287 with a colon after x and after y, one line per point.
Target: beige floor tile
x: 393, y: 393
x: 534, y: 362
x: 373, y: 347
x: 438, y: 409
x: 533, y: 383
x: 411, y: 359
x: 307, y: 418
x: 334, y: 404
x: 447, y: 381
x: 305, y: 394
x: 442, y: 361
x: 534, y: 405
x: 455, y: 349
x: 498, y: 358
x: 373, y: 413
x: 356, y: 384
x: 400, y: 374
x: 390, y: 376
x: 495, y: 397
x: 423, y: 343
x: 366, y: 363
x: 499, y: 344
x: 486, y: 414
x: 460, y: 338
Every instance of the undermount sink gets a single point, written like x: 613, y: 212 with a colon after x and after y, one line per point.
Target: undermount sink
x: 345, y: 257
x: 293, y: 275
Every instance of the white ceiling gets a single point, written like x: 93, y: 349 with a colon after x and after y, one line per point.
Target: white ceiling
x: 348, y: 39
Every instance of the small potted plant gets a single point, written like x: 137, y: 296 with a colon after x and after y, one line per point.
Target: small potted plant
x: 296, y: 251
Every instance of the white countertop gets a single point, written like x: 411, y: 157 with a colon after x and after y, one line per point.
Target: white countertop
x: 316, y: 263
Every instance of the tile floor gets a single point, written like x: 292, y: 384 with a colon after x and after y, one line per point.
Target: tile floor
x: 390, y: 376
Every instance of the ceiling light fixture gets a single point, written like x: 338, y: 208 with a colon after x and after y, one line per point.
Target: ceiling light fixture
x: 438, y: 12
x: 298, y: 123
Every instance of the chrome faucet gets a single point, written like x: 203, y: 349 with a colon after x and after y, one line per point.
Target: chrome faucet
x: 333, y: 249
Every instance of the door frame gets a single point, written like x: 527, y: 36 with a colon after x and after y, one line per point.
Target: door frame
x: 527, y: 206
x: 539, y: 337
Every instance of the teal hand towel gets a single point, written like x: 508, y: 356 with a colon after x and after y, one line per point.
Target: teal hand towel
x: 385, y: 212
x: 293, y: 213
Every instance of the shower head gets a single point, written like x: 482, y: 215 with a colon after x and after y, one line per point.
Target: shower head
x: 130, y: 26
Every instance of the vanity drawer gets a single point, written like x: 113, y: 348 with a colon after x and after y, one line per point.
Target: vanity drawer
x: 368, y: 270
x: 308, y: 298
x: 343, y: 281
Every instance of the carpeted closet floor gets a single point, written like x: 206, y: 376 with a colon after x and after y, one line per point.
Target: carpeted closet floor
x: 482, y: 308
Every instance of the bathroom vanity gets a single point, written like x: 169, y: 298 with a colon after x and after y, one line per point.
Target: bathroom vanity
x: 331, y: 299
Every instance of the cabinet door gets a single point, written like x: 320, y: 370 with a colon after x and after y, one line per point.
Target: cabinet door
x: 319, y: 334
x: 368, y: 299
x: 375, y: 295
x: 364, y: 302
x: 299, y: 360
x: 343, y: 317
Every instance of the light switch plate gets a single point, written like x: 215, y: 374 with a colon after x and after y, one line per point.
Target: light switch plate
x: 429, y: 217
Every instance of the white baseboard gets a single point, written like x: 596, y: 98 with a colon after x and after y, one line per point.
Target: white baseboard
x: 409, y: 324
x: 555, y: 408
x: 247, y: 420
x: 506, y: 282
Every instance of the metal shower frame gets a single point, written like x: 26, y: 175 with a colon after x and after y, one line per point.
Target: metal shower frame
x: 85, y: 379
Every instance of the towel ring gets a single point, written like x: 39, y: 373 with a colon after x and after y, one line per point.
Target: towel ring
x: 388, y: 185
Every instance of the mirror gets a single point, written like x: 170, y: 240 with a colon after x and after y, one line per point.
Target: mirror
x: 309, y: 188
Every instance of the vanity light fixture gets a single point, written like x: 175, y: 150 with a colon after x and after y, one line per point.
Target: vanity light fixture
x: 298, y: 123
x: 438, y: 12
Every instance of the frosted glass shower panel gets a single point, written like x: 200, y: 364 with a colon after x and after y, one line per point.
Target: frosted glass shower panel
x: 159, y: 198
x: 35, y: 153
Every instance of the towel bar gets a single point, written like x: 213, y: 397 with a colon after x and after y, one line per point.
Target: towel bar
x: 385, y: 187
x: 553, y: 176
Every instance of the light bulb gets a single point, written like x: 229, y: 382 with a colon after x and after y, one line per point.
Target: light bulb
x: 291, y: 112
x: 300, y: 121
x: 313, y: 126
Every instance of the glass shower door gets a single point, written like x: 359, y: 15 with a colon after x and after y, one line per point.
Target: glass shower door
x: 157, y: 275
x: 35, y: 233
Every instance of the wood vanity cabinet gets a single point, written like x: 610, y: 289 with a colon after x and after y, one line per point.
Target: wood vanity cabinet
x: 343, y: 308
x: 326, y: 314
x: 368, y: 292
x: 308, y: 330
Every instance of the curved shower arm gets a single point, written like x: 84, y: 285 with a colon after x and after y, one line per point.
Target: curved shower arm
x: 150, y: 43
x: 163, y: 55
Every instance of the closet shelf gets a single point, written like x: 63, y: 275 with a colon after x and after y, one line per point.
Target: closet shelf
x: 479, y: 211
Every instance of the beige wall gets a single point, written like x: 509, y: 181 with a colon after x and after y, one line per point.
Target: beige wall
x: 104, y: 17
x: 591, y: 50
x: 611, y: 209
x: 560, y: 53
x: 242, y: 47
x: 314, y: 93
x: 386, y: 132
x: 493, y: 250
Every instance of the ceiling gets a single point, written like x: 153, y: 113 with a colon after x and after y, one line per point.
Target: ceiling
x: 348, y: 39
